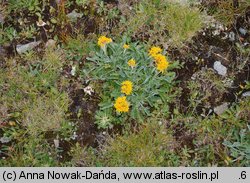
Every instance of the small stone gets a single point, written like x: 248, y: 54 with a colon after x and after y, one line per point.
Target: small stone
x: 231, y: 36
x: 243, y: 31
x: 221, y: 69
x: 56, y: 143
x: 246, y: 94
x: 5, y: 140
x: 50, y: 43
x: 221, y: 109
x: 73, y: 71
x: 27, y: 47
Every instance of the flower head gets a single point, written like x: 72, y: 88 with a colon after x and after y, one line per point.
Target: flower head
x: 161, y: 62
x: 127, y: 87
x: 103, y: 40
x: 121, y: 104
x: 132, y: 63
x: 159, y: 58
x: 154, y: 51
x: 126, y: 46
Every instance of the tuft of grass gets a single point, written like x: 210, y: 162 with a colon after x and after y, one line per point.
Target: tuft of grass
x: 32, y: 151
x: 162, y: 21
x: 150, y: 145
x: 32, y: 105
x: 46, y: 113
x: 226, y: 11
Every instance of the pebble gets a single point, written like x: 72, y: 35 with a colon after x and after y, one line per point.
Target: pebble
x: 231, y: 36
x: 5, y: 140
x: 50, y: 43
x: 243, y: 31
x: 27, y: 47
x: 221, y: 69
x: 221, y: 109
x: 73, y: 71
x: 56, y: 142
x: 246, y: 94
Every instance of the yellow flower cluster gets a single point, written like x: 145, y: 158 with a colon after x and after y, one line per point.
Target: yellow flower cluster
x: 103, y: 40
x: 132, y: 63
x: 160, y: 60
x: 154, y: 51
x: 125, y: 46
x: 127, y: 87
x: 121, y: 104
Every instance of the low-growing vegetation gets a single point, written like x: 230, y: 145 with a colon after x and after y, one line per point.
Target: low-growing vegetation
x: 124, y: 83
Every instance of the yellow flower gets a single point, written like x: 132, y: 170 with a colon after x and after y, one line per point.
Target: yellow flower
x: 161, y: 62
x: 127, y: 87
x: 159, y: 58
x: 162, y: 66
x: 103, y: 40
x: 154, y: 51
x: 126, y: 46
x: 132, y: 63
x: 121, y: 104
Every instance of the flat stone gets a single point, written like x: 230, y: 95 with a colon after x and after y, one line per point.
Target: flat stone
x: 56, y: 143
x: 231, y: 36
x: 5, y: 140
x: 221, y: 108
x: 221, y: 69
x: 27, y: 47
x: 50, y: 43
x: 246, y: 94
x: 243, y: 31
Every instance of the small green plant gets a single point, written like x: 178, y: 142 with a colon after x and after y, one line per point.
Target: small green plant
x: 29, y: 152
x: 82, y: 2
x: 240, y: 149
x: 133, y: 83
x: 205, y: 84
x: 20, y: 5
x: 7, y: 34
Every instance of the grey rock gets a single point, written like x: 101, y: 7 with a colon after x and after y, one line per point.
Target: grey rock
x: 27, y: 47
x: 221, y: 69
x: 5, y: 140
x: 243, y: 31
x: 221, y: 108
x: 50, y: 43
x: 246, y: 94
x: 56, y: 143
x: 231, y: 36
